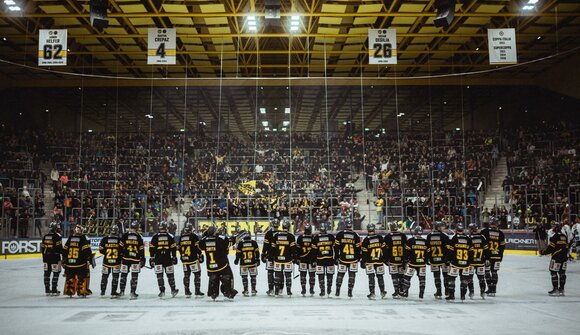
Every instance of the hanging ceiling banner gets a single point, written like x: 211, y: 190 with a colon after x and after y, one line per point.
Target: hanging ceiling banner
x: 382, y: 46
x: 502, y: 46
x: 52, y: 47
x: 161, y: 46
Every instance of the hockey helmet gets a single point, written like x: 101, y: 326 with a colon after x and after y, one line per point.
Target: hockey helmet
x: 394, y: 226
x: 188, y: 228
x: 459, y: 227
x: 371, y: 227
x: 162, y: 226
x: 323, y: 228
x: 348, y: 223
x: 135, y: 225
x: 472, y: 227
x: 418, y: 230
x: 54, y: 227
x: 211, y: 231
x: 493, y: 221
x: 556, y: 226
x: 439, y: 224
x: 307, y: 229
x: 274, y: 223
x: 115, y: 230
x: 286, y: 225
x: 79, y: 229
x: 246, y: 235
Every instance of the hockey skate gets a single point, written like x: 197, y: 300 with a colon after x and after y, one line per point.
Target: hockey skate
x: 199, y: 293
x: 337, y: 294
x: 350, y: 293
x: 322, y: 294
x: 384, y: 295
x: 554, y: 292
x: 438, y: 295
x: 269, y: 293
x: 303, y: 292
x: 48, y: 292
x: 115, y: 295
x: 245, y: 293
x: 102, y: 293
x: 289, y: 293
x: 134, y: 296
x: 187, y: 293
x: 371, y: 296
x: 55, y: 293
x: 471, y: 295
x: 561, y: 293
x: 161, y: 294
x: 396, y: 295
x: 174, y: 293
x: 482, y: 294
x: 254, y: 292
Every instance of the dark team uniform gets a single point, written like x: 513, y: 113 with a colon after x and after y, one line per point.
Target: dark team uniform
x: 51, y: 247
x: 76, y: 257
x: 395, y: 258
x: 163, y: 255
x: 248, y: 256
x: 558, y: 248
x: 372, y: 259
x: 218, y: 266
x: 480, y: 253
x: 323, y: 248
x: 460, y: 250
x: 284, y: 254
x: 306, y: 262
x: 133, y: 259
x: 267, y: 258
x: 191, y: 258
x: 437, y: 243
x: 496, y: 243
x: 415, y: 255
x: 110, y: 248
x: 347, y: 248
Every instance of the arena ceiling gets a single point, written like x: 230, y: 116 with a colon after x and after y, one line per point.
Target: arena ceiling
x: 326, y: 59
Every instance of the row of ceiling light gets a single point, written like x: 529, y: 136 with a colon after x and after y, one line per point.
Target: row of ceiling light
x: 531, y: 5
x: 12, y: 5
x: 252, y: 22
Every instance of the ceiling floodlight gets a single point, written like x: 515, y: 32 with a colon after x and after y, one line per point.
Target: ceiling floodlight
x: 262, y: 110
x: 265, y: 123
x: 287, y: 110
x: 285, y: 123
x: 149, y: 116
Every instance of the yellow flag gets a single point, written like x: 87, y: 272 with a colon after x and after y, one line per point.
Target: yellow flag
x: 248, y: 188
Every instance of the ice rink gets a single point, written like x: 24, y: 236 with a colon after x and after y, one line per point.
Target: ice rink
x: 522, y: 306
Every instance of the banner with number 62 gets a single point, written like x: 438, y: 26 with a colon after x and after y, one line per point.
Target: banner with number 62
x: 52, y: 47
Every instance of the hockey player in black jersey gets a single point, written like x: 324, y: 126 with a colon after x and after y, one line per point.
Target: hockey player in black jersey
x: 267, y: 255
x: 191, y: 258
x: 437, y: 242
x: 306, y: 261
x: 479, y: 255
x: 415, y: 255
x: 248, y: 256
x: 347, y: 248
x: 460, y: 251
x: 76, y: 257
x: 216, y: 249
x: 110, y: 248
x: 372, y: 259
x: 133, y: 258
x: 51, y: 247
x: 395, y: 243
x: 163, y: 257
x: 284, y: 255
x: 496, y: 242
x: 323, y: 248
x: 558, y: 248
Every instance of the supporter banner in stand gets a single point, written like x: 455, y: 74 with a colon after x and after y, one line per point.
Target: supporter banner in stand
x: 502, y: 46
x: 382, y: 46
x: 161, y: 46
x: 52, y: 47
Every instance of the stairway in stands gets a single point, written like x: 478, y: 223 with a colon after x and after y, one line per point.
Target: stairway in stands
x: 366, y: 201
x: 495, y: 190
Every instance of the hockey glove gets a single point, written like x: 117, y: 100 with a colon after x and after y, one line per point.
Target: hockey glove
x: 201, y: 259
x: 362, y: 264
x: 236, y: 261
x: 142, y: 263
x: 174, y: 260
x: 257, y: 262
x: 151, y: 263
x: 264, y: 260
x: 296, y: 261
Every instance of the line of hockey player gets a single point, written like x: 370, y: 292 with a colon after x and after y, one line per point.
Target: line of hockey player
x: 321, y: 255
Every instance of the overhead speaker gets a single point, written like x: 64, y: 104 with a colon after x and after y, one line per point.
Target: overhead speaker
x: 272, y: 9
x: 445, y: 13
x: 98, y: 9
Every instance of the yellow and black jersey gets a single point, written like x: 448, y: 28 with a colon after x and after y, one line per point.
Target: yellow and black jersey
x: 283, y: 247
x: 347, y: 247
x: 110, y: 248
x: 304, y: 246
x: 163, y: 249
x: 51, y: 247
x: 395, y: 248
x: 437, y: 248
x: 372, y: 248
x: 416, y: 251
x: 495, y: 241
x: 189, y: 248
x: 480, y: 251
x: 216, y: 252
x: 323, y: 248
x: 77, y: 252
x: 247, y: 253
x: 557, y: 247
x: 460, y: 251
x: 133, y: 248
x: 266, y: 248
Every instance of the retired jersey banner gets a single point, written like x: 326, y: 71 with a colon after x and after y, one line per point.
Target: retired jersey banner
x: 382, y: 46
x: 502, y: 46
x: 161, y: 46
x: 52, y: 47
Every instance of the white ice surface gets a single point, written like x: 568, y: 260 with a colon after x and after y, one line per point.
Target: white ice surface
x: 522, y: 306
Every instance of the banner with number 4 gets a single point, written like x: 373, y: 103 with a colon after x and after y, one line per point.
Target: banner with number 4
x: 161, y: 46
x: 52, y: 47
